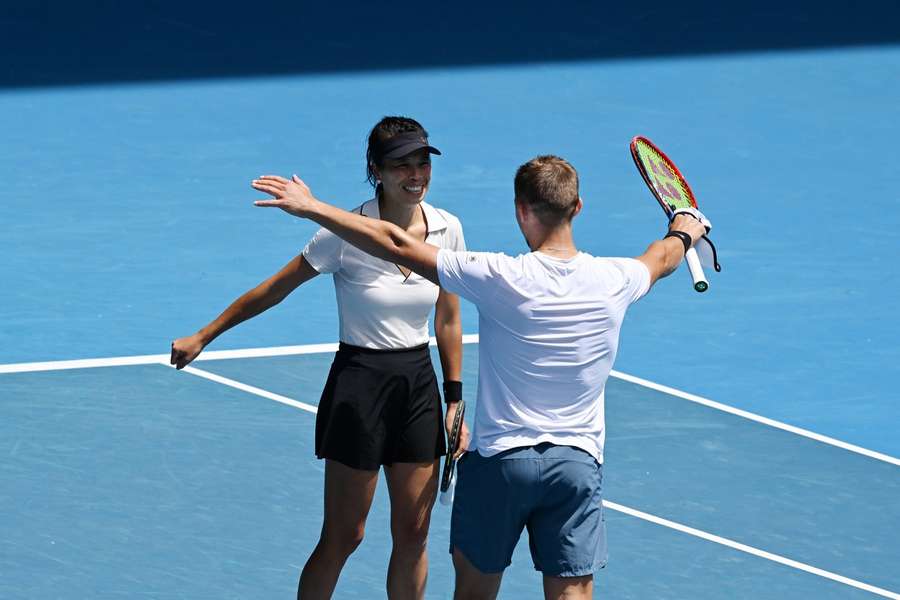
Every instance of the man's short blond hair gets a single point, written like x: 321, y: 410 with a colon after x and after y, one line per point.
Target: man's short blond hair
x: 548, y: 185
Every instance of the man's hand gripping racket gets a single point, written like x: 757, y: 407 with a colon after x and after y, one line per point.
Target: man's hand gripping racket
x: 448, y: 476
x: 675, y: 196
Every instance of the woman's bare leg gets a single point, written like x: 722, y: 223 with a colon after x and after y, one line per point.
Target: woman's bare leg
x: 348, y: 497
x: 413, y: 488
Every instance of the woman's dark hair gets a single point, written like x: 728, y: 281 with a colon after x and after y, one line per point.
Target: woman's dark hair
x: 383, y: 131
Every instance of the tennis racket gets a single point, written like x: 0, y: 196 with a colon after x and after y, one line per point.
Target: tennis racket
x: 670, y: 190
x: 448, y: 477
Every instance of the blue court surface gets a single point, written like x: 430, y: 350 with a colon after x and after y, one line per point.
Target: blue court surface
x: 752, y: 430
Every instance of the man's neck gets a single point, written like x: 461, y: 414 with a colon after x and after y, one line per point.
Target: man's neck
x: 558, y: 243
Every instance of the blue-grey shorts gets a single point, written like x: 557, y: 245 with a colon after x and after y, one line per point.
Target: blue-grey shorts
x: 553, y: 491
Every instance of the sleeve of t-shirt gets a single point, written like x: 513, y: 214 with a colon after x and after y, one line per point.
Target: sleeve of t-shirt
x: 468, y: 274
x: 323, y: 252
x: 635, y: 278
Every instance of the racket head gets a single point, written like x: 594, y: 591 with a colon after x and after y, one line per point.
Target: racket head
x: 452, y: 445
x: 665, y: 181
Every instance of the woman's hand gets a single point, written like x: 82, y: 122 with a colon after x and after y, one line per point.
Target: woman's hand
x: 185, y: 349
x: 290, y: 195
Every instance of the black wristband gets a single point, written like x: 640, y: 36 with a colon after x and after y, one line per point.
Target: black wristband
x: 685, y: 238
x: 452, y: 391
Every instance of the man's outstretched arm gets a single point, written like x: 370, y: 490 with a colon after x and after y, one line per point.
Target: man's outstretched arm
x: 379, y: 238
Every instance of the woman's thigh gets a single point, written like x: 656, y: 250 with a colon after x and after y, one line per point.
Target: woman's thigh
x: 348, y: 498
x: 412, y: 488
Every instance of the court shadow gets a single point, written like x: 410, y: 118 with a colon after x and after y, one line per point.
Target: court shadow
x: 46, y: 43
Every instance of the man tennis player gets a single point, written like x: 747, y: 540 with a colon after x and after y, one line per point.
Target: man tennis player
x: 549, y: 325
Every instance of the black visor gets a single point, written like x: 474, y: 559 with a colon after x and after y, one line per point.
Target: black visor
x: 405, y: 143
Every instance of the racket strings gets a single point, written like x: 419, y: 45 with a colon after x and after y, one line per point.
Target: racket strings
x: 671, y: 187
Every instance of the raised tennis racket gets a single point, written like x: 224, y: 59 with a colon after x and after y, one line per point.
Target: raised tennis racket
x: 671, y: 191
x: 448, y: 477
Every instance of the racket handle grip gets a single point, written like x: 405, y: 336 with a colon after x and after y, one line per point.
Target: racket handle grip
x: 693, y: 262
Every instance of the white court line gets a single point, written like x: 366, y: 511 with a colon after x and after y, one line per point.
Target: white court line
x: 611, y: 505
x: 467, y: 339
x: 153, y: 359
x: 757, y: 418
x: 751, y: 550
x: 248, y: 388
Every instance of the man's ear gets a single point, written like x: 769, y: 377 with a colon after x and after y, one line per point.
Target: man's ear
x: 521, y: 211
x: 578, y: 207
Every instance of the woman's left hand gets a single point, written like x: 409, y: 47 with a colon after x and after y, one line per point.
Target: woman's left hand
x: 290, y: 195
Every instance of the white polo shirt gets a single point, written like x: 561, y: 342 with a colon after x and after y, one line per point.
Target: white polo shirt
x: 548, y: 335
x: 378, y: 306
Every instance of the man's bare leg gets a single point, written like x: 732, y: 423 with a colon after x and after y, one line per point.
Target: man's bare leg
x: 472, y: 584
x: 569, y: 588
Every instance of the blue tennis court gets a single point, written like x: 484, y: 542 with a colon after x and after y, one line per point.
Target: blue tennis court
x: 752, y: 446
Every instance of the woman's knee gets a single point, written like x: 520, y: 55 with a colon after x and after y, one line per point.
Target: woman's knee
x: 412, y: 535
x: 343, y: 541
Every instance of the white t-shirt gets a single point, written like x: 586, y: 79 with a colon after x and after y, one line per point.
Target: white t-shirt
x: 548, y: 334
x: 377, y: 306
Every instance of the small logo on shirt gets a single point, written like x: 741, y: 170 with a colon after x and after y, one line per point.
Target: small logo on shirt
x: 471, y: 258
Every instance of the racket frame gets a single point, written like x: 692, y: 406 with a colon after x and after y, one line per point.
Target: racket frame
x: 693, y: 261
x: 452, y: 445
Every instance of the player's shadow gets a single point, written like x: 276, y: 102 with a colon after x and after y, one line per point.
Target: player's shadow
x: 66, y: 43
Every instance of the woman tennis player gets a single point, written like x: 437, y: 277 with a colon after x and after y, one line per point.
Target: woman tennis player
x: 381, y: 405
